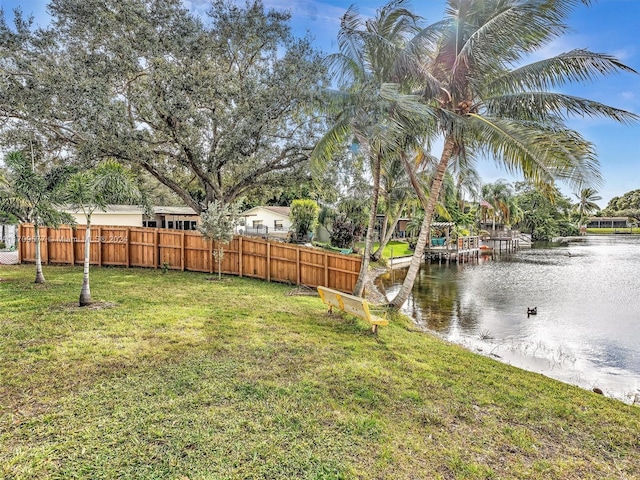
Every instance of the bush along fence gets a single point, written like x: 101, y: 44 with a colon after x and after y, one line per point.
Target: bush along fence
x: 183, y: 250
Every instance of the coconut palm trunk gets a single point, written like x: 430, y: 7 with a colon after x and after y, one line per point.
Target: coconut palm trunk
x: 39, y: 274
x: 368, y: 244
x: 389, y: 232
x: 417, y: 259
x: 85, y: 292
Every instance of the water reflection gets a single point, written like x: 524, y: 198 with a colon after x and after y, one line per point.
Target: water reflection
x: 587, y: 330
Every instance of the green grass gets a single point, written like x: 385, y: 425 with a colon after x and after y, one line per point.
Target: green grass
x: 611, y: 231
x: 173, y: 376
x: 399, y: 249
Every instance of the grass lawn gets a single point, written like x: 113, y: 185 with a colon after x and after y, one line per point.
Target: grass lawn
x: 173, y: 376
x: 400, y: 249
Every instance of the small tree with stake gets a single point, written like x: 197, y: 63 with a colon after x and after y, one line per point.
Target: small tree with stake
x: 95, y: 189
x: 217, y: 224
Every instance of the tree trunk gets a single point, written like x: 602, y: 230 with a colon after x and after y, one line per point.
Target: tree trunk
x: 387, y: 238
x: 39, y: 274
x: 366, y: 256
x: 85, y: 293
x: 416, y: 261
x: 385, y: 225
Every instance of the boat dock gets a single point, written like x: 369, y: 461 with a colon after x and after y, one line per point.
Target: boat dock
x: 463, y: 250
x: 466, y: 249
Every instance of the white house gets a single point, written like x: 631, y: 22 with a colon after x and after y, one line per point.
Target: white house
x: 271, y: 221
x: 173, y: 218
x: 115, y: 215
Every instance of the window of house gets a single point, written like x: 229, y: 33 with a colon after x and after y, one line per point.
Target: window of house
x: 277, y: 224
x: 257, y: 224
x: 169, y: 224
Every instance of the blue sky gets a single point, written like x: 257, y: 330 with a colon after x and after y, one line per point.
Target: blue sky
x: 608, y: 26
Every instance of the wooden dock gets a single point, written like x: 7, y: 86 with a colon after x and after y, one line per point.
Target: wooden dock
x: 505, y: 244
x: 465, y: 249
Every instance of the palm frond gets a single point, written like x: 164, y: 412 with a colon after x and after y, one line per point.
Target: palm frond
x: 349, y: 39
x: 536, y: 106
x: 345, y: 69
x: 512, y: 145
x: 409, y: 107
x: 577, y: 65
x: 542, y: 152
x: 332, y: 142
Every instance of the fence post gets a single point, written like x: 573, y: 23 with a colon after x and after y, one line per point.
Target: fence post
x: 268, y: 261
x: 99, y: 246
x: 182, y: 250
x: 210, y: 256
x: 20, y: 242
x: 326, y: 269
x: 240, y: 250
x: 298, y: 270
x: 127, y: 247
x: 73, y: 247
x: 46, y: 244
x: 156, y: 249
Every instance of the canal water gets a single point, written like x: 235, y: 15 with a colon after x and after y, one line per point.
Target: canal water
x: 587, y: 294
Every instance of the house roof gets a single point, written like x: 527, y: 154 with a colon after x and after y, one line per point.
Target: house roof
x: 136, y: 210
x: 112, y: 209
x: 608, y: 219
x: 282, y: 211
x: 174, y: 211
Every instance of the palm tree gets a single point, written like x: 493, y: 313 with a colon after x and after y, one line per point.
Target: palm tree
x: 486, y: 106
x: 586, y: 203
x: 370, y: 111
x: 500, y: 197
x: 395, y: 194
x: 32, y: 196
x: 94, y: 189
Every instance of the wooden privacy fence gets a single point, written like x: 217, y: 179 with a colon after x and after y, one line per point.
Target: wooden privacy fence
x: 184, y: 250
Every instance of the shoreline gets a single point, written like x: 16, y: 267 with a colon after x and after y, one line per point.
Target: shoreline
x: 559, y: 366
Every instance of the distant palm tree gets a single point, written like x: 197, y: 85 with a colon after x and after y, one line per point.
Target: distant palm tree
x: 586, y: 203
x: 396, y: 193
x: 486, y: 106
x: 500, y: 197
x: 33, y: 196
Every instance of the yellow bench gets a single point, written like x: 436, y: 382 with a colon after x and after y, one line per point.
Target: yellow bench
x: 351, y: 304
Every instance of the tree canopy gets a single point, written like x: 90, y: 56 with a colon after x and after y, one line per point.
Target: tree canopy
x: 628, y: 201
x: 627, y: 205
x: 213, y: 108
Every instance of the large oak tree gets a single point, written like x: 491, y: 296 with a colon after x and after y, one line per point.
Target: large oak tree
x: 211, y: 107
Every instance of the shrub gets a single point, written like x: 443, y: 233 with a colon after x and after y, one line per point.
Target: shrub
x: 304, y: 216
x: 343, y: 232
